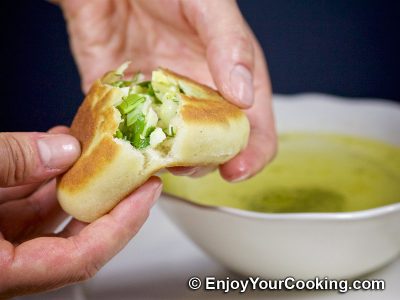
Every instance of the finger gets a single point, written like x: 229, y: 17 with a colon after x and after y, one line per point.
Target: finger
x: 200, y: 172
x: 59, y: 129
x: 262, y: 144
x: 141, y: 197
x: 40, y: 212
x: 48, y: 262
x: 29, y: 157
x: 49, y: 213
x: 17, y: 192
x: 72, y: 7
x: 192, y: 171
x: 259, y: 152
x: 182, y: 171
x: 229, y: 49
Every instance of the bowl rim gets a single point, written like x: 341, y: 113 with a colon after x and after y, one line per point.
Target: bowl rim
x: 351, y: 215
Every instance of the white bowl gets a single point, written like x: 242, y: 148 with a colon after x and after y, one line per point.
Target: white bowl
x: 303, y: 245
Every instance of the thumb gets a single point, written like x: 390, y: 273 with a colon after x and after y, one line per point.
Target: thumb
x: 229, y: 47
x: 28, y: 157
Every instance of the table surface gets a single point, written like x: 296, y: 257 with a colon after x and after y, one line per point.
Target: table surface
x: 157, y: 263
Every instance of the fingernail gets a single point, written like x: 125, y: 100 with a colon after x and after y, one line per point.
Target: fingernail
x: 203, y: 171
x: 58, y: 151
x: 241, y: 82
x: 157, y: 194
x: 239, y: 178
x: 184, y: 171
x: 241, y: 172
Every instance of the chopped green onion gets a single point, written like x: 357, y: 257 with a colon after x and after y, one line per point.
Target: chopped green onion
x: 144, y: 83
x: 141, y: 143
x: 150, y: 92
x: 149, y: 131
x: 130, y: 102
x: 138, y: 128
x: 138, y: 110
x: 170, y: 131
x: 132, y: 117
x: 119, y: 134
x: 121, y: 83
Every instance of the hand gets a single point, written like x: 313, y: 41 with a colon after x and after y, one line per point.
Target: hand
x: 205, y: 39
x: 32, y: 257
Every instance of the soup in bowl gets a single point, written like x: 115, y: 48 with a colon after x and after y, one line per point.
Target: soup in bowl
x: 328, y: 205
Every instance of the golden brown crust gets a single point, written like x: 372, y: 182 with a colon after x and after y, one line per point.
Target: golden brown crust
x: 86, y: 120
x: 202, y: 104
x: 195, y: 110
x: 86, y: 168
x: 94, y: 126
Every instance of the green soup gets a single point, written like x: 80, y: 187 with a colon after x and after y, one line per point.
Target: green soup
x: 311, y: 173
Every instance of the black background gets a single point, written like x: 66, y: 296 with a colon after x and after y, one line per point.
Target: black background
x: 341, y: 47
